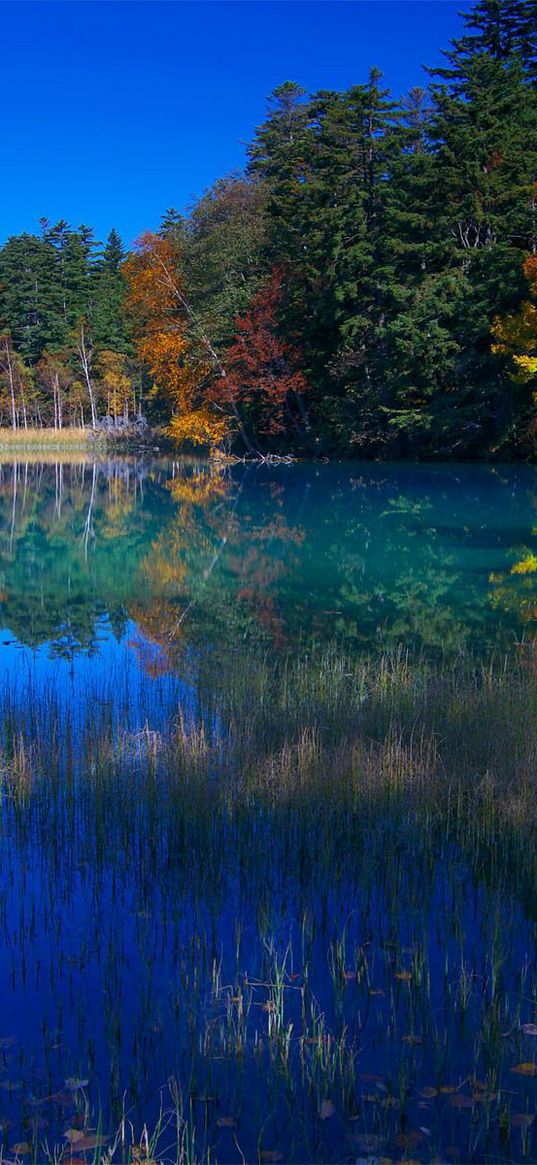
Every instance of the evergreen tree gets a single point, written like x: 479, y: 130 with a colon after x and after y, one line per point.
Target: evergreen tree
x: 110, y: 326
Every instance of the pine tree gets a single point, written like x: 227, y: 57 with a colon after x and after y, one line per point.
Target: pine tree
x: 503, y: 29
x: 110, y: 325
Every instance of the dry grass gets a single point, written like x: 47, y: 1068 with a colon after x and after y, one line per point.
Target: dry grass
x: 12, y: 440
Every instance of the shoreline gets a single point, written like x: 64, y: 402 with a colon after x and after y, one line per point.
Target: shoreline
x: 155, y: 442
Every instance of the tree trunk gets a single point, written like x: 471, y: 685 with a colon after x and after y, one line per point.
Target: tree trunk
x: 85, y: 360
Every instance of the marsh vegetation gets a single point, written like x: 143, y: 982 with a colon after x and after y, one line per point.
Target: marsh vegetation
x: 268, y: 876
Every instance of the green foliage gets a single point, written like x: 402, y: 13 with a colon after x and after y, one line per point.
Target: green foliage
x: 222, y: 241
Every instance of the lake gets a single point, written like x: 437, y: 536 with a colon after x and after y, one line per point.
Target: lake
x: 120, y: 560
x: 266, y: 831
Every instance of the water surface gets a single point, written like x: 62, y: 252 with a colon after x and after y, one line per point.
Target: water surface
x: 160, y: 558
x: 152, y: 922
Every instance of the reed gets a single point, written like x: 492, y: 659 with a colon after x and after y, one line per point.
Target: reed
x: 304, y: 898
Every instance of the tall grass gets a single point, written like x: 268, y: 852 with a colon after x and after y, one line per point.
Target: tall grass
x: 49, y: 439
x: 305, y: 898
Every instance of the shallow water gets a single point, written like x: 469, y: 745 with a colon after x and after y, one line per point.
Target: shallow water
x: 322, y: 980
x: 117, y: 561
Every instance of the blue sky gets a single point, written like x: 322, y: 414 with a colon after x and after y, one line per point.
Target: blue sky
x: 113, y: 112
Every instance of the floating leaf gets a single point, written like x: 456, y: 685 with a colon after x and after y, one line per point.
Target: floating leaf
x: 21, y: 1148
x: 529, y: 1029
x: 525, y: 1069
x: 225, y: 1122
x: 411, y: 1039
x: 522, y: 1120
x: 404, y: 975
x: 91, y: 1142
x: 74, y: 1135
x: 327, y: 1109
x: 409, y: 1140
x: 271, y: 1155
x: 460, y: 1101
x: 428, y: 1091
x: 74, y: 1083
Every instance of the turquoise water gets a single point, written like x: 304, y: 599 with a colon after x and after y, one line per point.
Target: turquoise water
x: 118, y: 560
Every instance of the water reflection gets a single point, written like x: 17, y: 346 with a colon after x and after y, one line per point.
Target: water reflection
x: 259, y: 885
x: 167, y: 556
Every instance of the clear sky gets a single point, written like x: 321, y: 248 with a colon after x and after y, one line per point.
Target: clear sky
x: 113, y: 112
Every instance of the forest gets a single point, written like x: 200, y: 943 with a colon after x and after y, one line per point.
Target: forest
x: 367, y: 287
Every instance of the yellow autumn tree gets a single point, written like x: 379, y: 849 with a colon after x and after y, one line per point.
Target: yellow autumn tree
x: 516, y: 335
x: 165, y: 342
x: 114, y: 382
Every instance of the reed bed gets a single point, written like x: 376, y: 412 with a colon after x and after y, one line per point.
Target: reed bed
x: 49, y: 439
x: 283, y: 910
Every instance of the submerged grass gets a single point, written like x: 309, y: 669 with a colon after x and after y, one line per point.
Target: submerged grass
x: 306, y: 899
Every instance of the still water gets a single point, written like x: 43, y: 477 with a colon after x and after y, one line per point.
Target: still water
x: 113, y: 561
x: 302, y: 980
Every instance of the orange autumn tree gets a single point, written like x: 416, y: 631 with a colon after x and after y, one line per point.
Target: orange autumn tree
x: 516, y: 335
x: 166, y: 340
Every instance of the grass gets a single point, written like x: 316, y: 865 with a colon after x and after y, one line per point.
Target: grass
x: 23, y: 440
x: 308, y: 905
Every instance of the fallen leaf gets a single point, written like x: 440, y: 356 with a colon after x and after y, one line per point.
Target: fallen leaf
x: 529, y: 1029
x: 428, y: 1092
x: 225, y: 1122
x: 404, y: 975
x: 525, y: 1069
x: 327, y: 1109
x: 74, y: 1135
x: 93, y: 1142
x: 522, y: 1120
x: 460, y: 1101
x: 409, y: 1140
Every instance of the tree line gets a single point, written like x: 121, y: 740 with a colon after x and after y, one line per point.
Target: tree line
x: 367, y: 287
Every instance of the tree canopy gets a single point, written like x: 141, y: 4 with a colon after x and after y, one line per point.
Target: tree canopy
x: 366, y: 287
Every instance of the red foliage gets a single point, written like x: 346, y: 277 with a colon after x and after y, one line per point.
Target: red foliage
x: 263, y: 368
